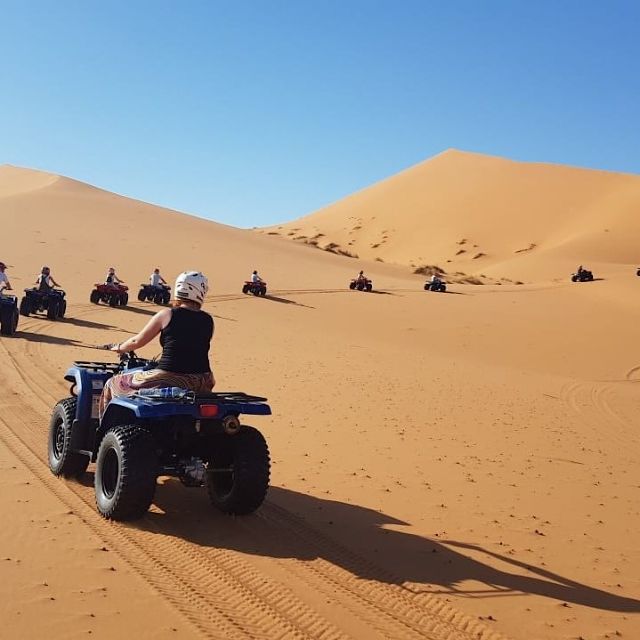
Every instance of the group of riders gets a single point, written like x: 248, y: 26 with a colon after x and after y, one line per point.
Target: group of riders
x: 155, y: 279
x: 45, y: 282
x: 361, y: 278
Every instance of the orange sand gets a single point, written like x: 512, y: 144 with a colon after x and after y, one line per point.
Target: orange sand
x: 455, y: 465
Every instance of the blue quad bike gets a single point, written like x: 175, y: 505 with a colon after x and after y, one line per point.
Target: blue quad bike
x: 8, y: 314
x: 197, y: 438
x: 158, y: 295
x: 438, y: 285
x: 51, y: 302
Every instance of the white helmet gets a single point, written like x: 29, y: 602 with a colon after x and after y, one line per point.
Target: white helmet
x: 191, y: 285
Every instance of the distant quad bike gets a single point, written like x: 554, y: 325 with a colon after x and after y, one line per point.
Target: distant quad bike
x: 257, y: 288
x: 150, y: 293
x: 638, y: 272
x: 115, y: 295
x: 435, y: 286
x: 51, y: 302
x: 361, y: 284
x: 8, y: 314
x: 583, y: 276
x: 197, y: 438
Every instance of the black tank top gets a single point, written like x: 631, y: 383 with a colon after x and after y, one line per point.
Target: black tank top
x: 185, y: 342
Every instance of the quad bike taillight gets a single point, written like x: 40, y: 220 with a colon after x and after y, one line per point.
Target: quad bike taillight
x: 209, y: 410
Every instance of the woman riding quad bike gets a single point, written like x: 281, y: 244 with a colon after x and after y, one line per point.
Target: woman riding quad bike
x: 582, y: 275
x: 256, y: 285
x: 141, y: 419
x: 157, y: 290
x: 361, y: 283
x: 113, y: 291
x: 435, y: 284
x: 44, y: 297
x: 185, y: 335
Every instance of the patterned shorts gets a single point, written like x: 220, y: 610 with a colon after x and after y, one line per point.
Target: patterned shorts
x: 126, y: 384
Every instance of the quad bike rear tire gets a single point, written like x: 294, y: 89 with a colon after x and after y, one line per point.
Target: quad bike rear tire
x: 25, y: 306
x: 352, y: 285
x: 126, y: 472
x: 245, y: 288
x: 113, y: 300
x: 52, y: 309
x: 142, y: 296
x: 368, y: 286
x: 95, y: 296
x: 8, y: 319
x: 63, y: 460
x: 238, y: 475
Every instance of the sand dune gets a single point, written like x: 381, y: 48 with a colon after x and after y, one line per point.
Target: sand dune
x: 457, y: 465
x: 485, y: 215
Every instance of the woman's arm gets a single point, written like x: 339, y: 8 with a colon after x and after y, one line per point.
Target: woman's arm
x: 150, y: 331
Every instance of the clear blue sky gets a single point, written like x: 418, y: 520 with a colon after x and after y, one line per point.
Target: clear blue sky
x: 256, y: 112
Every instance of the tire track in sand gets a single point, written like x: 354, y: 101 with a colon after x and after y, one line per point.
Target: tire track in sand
x: 209, y: 585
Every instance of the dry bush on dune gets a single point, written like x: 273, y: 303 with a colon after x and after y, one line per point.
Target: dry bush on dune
x: 429, y: 270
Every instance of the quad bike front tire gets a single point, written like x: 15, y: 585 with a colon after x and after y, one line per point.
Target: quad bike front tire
x: 126, y: 472
x: 124, y: 299
x: 8, y: 319
x: 62, y: 308
x: 238, y: 475
x: 113, y: 300
x: 63, y: 460
x: 25, y: 306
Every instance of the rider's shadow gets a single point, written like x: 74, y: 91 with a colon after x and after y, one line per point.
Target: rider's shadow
x: 296, y: 525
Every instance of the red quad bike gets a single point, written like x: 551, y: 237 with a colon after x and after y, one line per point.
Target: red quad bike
x: 112, y: 294
x: 361, y: 284
x: 257, y: 288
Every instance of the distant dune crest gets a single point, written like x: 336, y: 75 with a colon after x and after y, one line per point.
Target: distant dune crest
x: 15, y: 180
x: 475, y: 214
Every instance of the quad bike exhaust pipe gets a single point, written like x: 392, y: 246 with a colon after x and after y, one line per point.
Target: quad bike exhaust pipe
x: 231, y: 425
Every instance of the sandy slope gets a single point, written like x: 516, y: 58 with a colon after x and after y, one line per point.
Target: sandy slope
x: 476, y: 450
x: 479, y: 214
